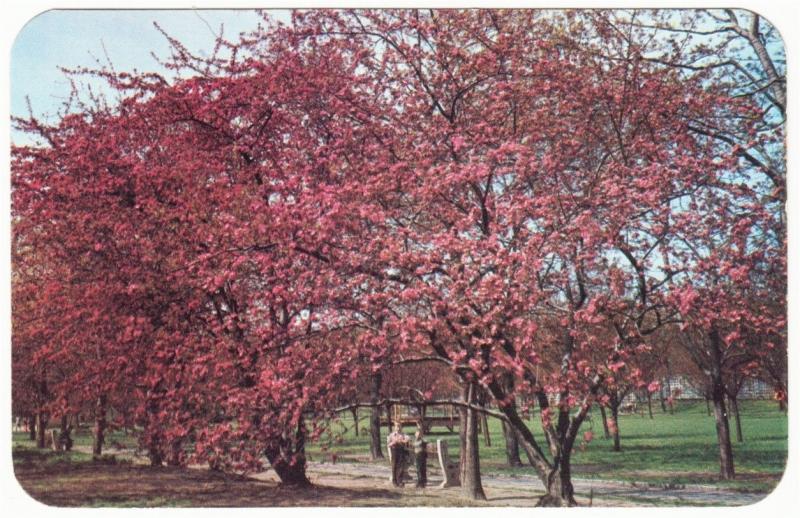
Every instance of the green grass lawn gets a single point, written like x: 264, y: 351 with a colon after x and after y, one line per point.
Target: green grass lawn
x: 668, y: 449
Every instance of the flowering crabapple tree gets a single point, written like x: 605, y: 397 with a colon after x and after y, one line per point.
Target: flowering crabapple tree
x: 485, y: 208
x: 316, y: 202
x: 77, y: 317
x: 150, y: 206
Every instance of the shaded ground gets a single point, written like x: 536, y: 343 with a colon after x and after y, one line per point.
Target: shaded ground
x: 72, y: 479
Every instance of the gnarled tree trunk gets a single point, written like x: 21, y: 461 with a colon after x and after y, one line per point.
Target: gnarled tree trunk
x: 288, y: 458
x: 555, y: 475
x: 560, y: 492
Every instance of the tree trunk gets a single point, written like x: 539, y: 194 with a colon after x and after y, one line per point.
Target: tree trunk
x: 555, y: 476
x: 152, y: 435
x: 777, y: 84
x: 737, y: 418
x: 354, y: 411
x: 512, y: 446
x: 662, y: 400
x: 462, y: 435
x: 291, y: 474
x: 64, y: 437
x: 615, y: 426
x: 375, y: 434
x: 650, y: 404
x: 389, y: 423
x: 708, y: 406
x: 726, y: 468
x: 671, y: 402
x: 471, y: 482
x: 560, y: 492
x: 375, y: 419
x: 782, y: 396
x: 558, y: 480
x: 99, y: 426
x: 32, y: 427
x: 175, y: 453
x: 485, y: 427
x: 41, y: 424
x: 154, y: 452
x: 606, y: 433
x: 288, y: 459
x: 509, y: 435
x: 783, y: 405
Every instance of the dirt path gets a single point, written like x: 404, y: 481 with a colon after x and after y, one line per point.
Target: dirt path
x: 525, y: 489
x: 502, y: 490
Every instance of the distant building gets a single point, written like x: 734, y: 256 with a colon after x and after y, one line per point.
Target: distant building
x: 682, y: 388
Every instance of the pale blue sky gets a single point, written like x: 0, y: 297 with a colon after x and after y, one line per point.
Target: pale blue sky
x: 72, y: 38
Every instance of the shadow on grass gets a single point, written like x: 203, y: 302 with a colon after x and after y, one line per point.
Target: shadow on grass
x: 68, y: 480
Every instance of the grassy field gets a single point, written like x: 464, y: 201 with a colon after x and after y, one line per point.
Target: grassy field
x: 669, y: 450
